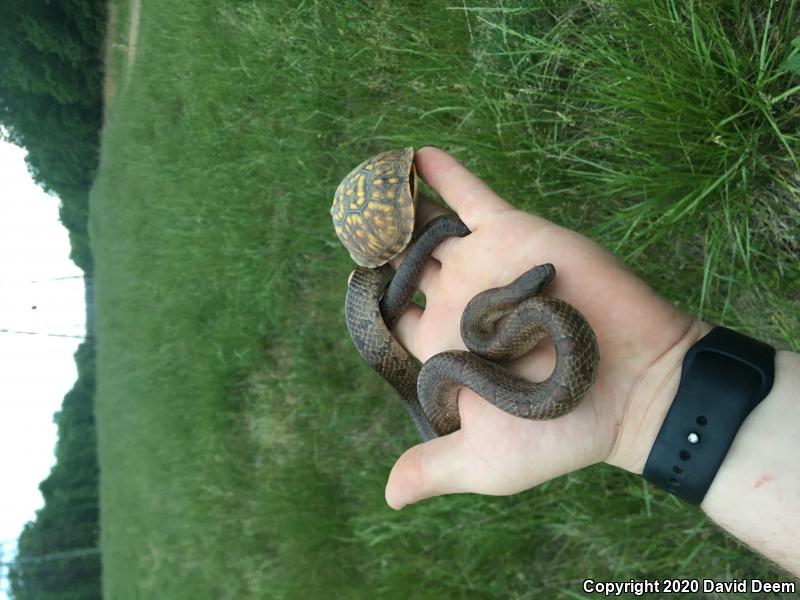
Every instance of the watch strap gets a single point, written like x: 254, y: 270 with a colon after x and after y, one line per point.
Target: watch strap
x: 724, y: 376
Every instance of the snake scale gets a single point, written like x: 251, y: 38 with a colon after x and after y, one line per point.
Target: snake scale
x: 373, y: 214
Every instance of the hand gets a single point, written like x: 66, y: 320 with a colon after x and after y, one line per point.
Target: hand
x: 641, y: 337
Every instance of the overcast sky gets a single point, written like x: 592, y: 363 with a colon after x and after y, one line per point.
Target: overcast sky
x: 36, y: 371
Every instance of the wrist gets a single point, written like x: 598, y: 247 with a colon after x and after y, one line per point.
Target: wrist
x: 649, y: 400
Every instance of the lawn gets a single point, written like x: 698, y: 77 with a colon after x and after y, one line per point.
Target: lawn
x: 244, y: 446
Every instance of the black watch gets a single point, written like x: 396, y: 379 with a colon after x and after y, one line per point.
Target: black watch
x: 724, y: 376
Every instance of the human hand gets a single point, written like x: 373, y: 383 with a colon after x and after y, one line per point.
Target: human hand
x: 641, y: 337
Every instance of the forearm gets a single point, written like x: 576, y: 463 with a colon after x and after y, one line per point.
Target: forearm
x: 756, y: 491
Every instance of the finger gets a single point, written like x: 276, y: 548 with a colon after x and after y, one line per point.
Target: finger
x: 429, y: 275
x: 406, y: 329
x: 466, y: 193
x: 429, y: 278
x: 427, y: 210
x: 427, y: 470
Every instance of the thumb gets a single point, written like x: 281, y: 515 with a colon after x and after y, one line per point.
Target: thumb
x: 430, y: 469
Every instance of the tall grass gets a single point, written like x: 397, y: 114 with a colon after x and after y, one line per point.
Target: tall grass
x: 662, y: 121
x: 244, y: 447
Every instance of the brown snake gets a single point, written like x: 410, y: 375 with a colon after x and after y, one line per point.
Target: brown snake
x: 496, y: 325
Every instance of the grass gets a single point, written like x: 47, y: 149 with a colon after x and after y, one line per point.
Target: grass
x: 244, y: 447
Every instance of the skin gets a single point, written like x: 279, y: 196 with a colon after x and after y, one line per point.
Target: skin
x: 642, y: 340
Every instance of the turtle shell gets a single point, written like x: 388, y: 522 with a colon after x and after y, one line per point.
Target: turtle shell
x: 373, y: 208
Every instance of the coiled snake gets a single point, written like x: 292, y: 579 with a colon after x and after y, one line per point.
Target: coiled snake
x: 496, y: 325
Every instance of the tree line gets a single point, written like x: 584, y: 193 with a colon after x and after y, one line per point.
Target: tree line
x: 51, y: 80
x: 58, y: 554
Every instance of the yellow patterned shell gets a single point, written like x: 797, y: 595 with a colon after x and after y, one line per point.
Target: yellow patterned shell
x: 373, y: 208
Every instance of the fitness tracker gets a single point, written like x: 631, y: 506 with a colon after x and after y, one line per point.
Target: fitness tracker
x: 724, y: 376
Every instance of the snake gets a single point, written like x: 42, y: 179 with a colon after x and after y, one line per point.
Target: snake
x: 497, y: 325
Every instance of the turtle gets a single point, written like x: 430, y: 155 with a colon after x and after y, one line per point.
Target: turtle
x: 374, y: 207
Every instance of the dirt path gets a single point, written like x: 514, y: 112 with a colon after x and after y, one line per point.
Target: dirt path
x: 133, y: 35
x: 112, y: 25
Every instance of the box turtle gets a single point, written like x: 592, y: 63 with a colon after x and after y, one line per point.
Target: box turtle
x: 374, y: 206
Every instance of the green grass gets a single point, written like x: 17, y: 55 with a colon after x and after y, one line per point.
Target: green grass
x: 244, y: 447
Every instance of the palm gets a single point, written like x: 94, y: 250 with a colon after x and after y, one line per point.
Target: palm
x: 633, y: 327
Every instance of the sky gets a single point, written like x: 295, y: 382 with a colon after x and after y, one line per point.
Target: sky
x: 36, y: 371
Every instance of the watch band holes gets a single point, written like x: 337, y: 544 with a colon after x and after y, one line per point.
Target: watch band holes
x: 685, y: 455
x: 677, y: 470
x: 672, y: 481
x: 701, y: 420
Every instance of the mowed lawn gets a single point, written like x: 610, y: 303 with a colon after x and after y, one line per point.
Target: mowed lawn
x: 244, y: 446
